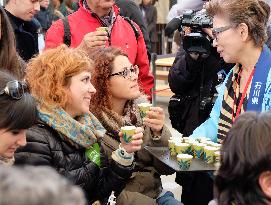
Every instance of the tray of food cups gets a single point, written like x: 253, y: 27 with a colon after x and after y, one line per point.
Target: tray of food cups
x: 185, y: 154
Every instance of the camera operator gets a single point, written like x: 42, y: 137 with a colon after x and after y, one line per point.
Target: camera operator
x: 193, y: 78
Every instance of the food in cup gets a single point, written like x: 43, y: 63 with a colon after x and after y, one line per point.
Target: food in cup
x: 128, y: 132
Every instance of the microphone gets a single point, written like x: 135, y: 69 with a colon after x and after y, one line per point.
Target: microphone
x: 172, y: 26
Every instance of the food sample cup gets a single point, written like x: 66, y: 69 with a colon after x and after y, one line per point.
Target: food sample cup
x: 171, y: 146
x: 184, y: 161
x: 128, y: 132
x: 181, y: 148
x: 209, y: 154
x: 102, y: 29
x: 143, y: 109
x: 198, y: 150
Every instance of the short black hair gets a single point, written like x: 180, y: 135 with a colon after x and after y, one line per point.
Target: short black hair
x: 16, y: 114
x: 246, y: 154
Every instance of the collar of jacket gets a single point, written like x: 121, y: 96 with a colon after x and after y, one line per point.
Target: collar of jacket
x: 15, y: 21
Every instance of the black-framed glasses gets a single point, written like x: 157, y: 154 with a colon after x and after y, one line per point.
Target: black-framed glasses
x: 15, y: 89
x: 219, y: 30
x: 127, y: 72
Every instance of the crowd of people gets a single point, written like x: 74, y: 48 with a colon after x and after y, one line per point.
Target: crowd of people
x: 62, y: 108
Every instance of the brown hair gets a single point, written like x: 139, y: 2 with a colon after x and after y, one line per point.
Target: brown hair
x: 254, y: 13
x: 246, y: 154
x: 49, y: 73
x: 9, y: 59
x: 103, y: 62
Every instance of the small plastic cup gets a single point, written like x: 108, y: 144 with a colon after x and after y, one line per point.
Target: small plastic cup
x: 102, y: 29
x: 209, y: 154
x: 128, y: 132
x: 171, y: 146
x: 182, y: 148
x: 184, y: 161
x: 198, y: 150
x: 143, y: 109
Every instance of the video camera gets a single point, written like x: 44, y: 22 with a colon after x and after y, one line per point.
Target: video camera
x: 197, y: 41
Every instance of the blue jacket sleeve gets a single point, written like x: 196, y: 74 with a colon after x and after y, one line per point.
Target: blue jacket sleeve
x: 210, y: 127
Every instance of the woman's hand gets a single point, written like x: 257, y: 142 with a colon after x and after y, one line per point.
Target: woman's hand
x: 155, y: 119
x: 136, y: 142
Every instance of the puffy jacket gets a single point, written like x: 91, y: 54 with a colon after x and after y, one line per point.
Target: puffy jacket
x: 122, y: 35
x: 45, y: 146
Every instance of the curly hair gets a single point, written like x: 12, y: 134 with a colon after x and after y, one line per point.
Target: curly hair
x: 103, y: 63
x: 254, y: 13
x: 246, y: 154
x: 49, y: 74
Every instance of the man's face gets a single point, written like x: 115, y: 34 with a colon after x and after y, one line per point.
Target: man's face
x: 26, y: 9
x: 101, y: 7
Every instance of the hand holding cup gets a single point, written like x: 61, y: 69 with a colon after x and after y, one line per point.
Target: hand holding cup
x: 155, y: 119
x: 132, y: 142
x: 94, y: 39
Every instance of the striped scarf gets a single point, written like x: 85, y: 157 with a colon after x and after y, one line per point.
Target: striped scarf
x: 229, y: 107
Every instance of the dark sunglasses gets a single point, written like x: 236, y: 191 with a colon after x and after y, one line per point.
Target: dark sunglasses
x: 15, y: 89
x: 219, y: 30
x: 127, y: 72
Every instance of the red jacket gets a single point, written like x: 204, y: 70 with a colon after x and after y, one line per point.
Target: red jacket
x: 122, y: 35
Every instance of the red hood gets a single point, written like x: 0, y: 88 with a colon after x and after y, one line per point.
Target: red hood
x: 116, y: 9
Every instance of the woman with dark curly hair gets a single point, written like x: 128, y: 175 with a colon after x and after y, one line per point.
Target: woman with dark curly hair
x: 115, y: 105
x: 67, y: 136
x: 244, y: 177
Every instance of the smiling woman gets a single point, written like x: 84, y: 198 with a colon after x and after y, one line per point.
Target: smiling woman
x: 67, y: 136
x: 17, y: 113
x: 240, y: 33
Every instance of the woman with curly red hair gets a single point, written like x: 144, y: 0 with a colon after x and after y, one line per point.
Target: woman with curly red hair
x: 115, y: 105
x: 67, y: 135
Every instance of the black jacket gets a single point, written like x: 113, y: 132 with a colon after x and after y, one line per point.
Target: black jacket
x: 26, y: 34
x: 185, y: 77
x: 129, y: 8
x: 45, y: 146
x: 45, y: 17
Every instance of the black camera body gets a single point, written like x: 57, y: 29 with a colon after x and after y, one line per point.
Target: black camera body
x: 197, y: 41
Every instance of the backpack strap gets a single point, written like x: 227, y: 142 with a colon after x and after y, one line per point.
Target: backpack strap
x: 67, y: 31
x: 137, y: 34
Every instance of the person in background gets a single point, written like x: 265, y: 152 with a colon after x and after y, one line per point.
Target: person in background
x: 25, y: 27
x: 130, y: 9
x: 239, y: 33
x: 93, y: 14
x: 45, y: 16
x: 149, y: 13
x: 9, y: 58
x: 18, y: 112
x: 55, y: 6
x: 244, y: 176
x: 115, y: 109
x: 37, y: 186
x: 60, y: 81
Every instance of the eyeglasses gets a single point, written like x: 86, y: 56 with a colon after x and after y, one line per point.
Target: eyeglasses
x: 219, y: 30
x: 127, y: 72
x: 15, y: 89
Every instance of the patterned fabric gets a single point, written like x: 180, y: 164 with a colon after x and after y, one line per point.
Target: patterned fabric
x: 229, y: 107
x: 112, y: 121
x: 7, y: 161
x: 84, y: 131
